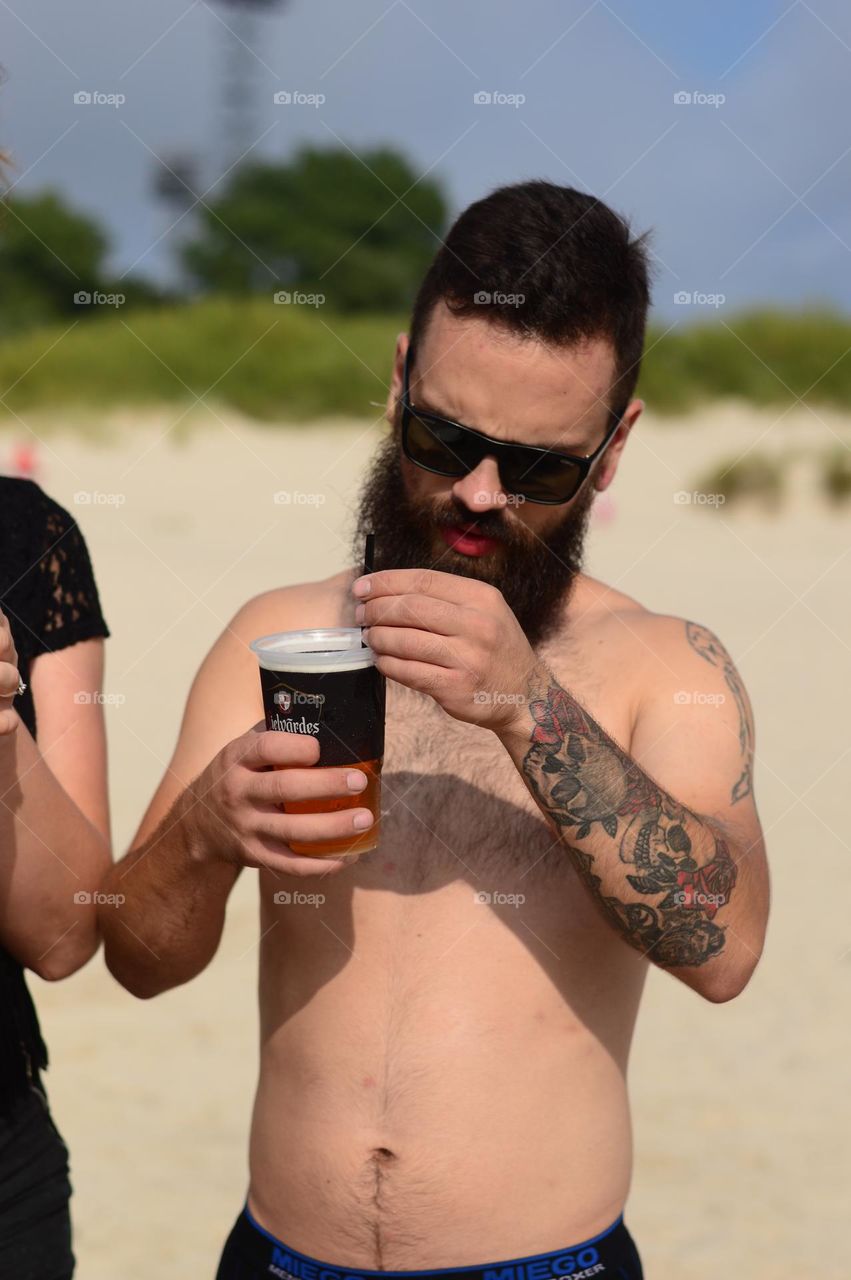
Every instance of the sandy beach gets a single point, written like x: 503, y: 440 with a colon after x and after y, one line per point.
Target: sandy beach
x: 741, y: 1111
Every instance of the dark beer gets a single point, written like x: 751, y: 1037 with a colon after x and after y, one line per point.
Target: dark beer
x: 325, y: 683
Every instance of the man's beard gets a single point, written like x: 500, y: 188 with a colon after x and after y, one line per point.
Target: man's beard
x: 535, y: 575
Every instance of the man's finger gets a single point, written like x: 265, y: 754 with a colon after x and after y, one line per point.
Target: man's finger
x: 415, y: 646
x: 415, y: 675
x: 427, y: 582
x: 279, y: 749
x: 414, y: 610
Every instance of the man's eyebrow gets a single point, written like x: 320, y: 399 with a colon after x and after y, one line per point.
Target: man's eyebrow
x: 422, y: 401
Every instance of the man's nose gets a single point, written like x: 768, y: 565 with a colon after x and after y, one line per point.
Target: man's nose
x: 480, y: 489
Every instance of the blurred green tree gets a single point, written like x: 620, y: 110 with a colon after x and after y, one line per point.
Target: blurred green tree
x: 359, y: 230
x: 49, y: 255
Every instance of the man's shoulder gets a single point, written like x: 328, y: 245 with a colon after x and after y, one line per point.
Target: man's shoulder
x: 324, y: 602
x: 599, y: 613
x: 657, y: 644
x: 646, y: 662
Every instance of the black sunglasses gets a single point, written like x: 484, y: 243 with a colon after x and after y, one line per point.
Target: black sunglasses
x: 448, y: 448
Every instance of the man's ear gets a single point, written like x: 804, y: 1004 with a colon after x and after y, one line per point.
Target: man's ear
x: 397, y: 377
x: 605, y: 473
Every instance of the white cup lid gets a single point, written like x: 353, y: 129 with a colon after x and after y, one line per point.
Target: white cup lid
x: 328, y: 649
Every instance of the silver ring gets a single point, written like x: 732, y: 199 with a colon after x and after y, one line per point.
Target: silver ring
x: 21, y: 686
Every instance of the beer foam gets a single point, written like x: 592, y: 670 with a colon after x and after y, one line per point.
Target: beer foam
x: 289, y: 662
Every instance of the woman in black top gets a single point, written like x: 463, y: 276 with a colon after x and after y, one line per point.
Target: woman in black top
x: 54, y: 845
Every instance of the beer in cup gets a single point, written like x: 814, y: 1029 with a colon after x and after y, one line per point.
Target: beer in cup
x: 325, y: 683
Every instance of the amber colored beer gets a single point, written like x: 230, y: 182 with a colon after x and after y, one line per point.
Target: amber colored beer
x: 324, y: 683
x: 359, y: 841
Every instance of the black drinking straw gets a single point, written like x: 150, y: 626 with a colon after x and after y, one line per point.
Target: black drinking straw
x: 368, y: 561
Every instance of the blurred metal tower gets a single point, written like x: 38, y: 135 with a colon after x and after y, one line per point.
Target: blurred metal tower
x: 183, y: 173
x: 176, y: 181
x: 241, y: 77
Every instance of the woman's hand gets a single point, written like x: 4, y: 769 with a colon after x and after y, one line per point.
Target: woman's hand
x: 9, y: 678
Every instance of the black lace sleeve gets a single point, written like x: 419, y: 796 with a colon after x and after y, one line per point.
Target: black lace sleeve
x: 69, y: 606
x: 47, y: 586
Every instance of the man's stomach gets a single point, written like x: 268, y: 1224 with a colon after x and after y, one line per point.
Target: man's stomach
x: 440, y: 1085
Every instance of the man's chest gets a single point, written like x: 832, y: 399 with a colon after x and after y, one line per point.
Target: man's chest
x: 454, y: 804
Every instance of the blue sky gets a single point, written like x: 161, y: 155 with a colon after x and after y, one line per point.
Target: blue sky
x: 748, y: 197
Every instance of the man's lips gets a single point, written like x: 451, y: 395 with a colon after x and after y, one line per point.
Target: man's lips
x: 468, y: 542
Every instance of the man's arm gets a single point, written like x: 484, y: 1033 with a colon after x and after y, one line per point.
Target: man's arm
x: 665, y: 836
x: 217, y: 809
x: 164, y: 901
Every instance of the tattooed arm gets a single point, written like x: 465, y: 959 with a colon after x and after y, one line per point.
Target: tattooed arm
x: 686, y: 886
x: 663, y: 833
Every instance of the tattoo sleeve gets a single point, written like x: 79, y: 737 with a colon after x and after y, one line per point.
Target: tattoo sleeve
x: 710, y: 647
x: 660, y: 872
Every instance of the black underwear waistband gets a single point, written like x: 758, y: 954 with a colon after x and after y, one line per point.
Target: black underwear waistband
x: 611, y: 1255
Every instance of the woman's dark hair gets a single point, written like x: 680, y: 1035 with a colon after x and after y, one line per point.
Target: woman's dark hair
x: 581, y: 273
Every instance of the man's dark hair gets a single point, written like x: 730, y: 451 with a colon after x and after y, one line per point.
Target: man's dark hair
x: 575, y: 261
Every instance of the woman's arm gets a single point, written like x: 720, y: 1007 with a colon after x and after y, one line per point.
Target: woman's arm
x: 54, y: 818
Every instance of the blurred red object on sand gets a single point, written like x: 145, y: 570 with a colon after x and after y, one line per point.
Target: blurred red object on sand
x: 605, y: 509
x: 24, y: 464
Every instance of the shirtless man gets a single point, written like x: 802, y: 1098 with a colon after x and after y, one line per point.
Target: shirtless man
x: 445, y: 1039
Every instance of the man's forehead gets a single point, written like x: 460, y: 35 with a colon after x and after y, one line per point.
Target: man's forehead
x: 484, y: 377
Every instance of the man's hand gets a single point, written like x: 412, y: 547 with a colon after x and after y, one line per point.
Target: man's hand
x: 9, y: 678
x: 454, y: 638
x: 240, y: 796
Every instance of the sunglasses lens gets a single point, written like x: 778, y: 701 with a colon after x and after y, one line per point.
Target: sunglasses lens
x: 438, y: 446
x: 542, y: 478
x: 451, y: 450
